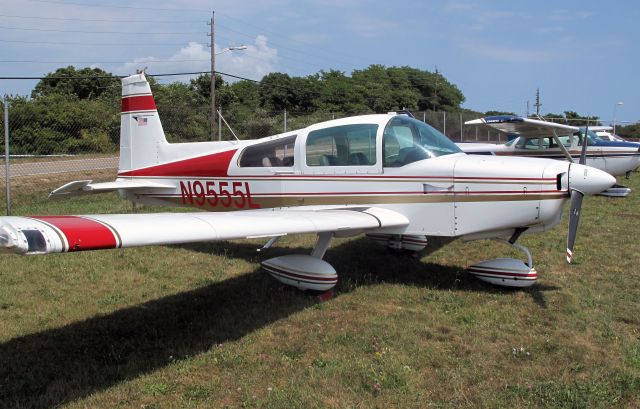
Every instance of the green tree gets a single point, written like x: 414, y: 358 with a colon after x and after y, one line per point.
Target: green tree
x: 629, y: 131
x: 499, y: 113
x: 84, y: 83
x: 339, y: 94
x: 184, y: 114
x: 575, y: 119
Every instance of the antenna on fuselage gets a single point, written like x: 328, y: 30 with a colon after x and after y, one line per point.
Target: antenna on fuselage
x: 406, y: 112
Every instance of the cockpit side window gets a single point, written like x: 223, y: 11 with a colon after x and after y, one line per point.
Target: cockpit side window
x: 346, y: 145
x: 407, y: 140
x: 275, y: 153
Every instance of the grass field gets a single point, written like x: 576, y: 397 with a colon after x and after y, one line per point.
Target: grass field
x: 202, y: 326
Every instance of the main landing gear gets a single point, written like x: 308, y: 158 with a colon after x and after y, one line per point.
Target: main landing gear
x: 310, y: 272
x: 507, y: 272
x: 305, y: 272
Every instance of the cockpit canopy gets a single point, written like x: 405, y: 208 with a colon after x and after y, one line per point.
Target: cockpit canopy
x: 355, y: 143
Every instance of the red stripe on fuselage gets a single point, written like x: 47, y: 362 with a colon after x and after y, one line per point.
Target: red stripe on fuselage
x: 138, y: 103
x: 81, y: 233
x: 214, y: 165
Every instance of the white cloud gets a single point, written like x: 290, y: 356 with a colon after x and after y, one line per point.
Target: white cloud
x: 254, y: 62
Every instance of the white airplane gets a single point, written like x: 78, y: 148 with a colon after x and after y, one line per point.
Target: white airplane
x: 542, y: 139
x: 390, y: 176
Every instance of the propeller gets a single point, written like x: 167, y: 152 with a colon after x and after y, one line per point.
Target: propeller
x: 574, y: 219
x: 576, y: 202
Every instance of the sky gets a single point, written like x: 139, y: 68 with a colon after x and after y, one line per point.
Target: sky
x: 582, y: 55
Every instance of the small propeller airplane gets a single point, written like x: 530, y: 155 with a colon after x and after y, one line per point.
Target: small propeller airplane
x: 387, y: 175
x: 542, y: 139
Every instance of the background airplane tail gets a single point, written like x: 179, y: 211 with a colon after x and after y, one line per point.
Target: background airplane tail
x: 141, y: 133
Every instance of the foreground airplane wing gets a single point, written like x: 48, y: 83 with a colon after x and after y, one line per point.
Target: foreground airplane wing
x: 514, y: 125
x: 59, y: 234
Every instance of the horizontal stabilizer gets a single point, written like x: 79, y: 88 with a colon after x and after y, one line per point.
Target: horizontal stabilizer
x: 83, y: 187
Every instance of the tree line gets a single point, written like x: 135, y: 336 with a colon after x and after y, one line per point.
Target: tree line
x: 75, y: 110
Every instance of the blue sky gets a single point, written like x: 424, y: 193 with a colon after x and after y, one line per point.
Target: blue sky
x: 583, y: 55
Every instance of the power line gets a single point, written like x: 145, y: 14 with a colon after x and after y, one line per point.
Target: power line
x: 306, y: 44
x: 72, y: 3
x: 97, y: 62
x: 316, y: 64
x: 124, y: 76
x: 306, y: 53
x: 102, y: 19
x: 101, y: 32
x: 120, y: 44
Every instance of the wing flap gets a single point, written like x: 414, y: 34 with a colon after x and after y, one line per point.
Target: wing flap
x: 51, y: 234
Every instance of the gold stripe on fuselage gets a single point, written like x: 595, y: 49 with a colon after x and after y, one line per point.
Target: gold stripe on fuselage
x: 266, y: 202
x: 357, y: 179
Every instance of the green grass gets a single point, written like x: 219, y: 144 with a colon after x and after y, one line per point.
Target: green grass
x: 202, y: 326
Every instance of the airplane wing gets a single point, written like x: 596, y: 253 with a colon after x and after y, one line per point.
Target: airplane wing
x: 514, y: 125
x: 59, y: 234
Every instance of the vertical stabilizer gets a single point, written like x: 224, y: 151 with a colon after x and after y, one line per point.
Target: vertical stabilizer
x: 141, y: 133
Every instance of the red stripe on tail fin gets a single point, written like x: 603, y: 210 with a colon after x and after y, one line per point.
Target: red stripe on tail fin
x: 138, y: 103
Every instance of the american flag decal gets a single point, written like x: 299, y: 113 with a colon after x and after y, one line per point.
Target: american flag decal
x: 142, y: 121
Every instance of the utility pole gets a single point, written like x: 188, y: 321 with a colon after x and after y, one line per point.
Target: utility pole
x: 537, y: 104
x: 527, y: 108
x: 213, y: 77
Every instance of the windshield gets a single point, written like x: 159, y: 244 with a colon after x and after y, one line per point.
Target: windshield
x: 593, y: 137
x: 408, y: 140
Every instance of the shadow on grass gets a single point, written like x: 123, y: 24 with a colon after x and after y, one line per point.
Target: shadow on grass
x: 60, y: 365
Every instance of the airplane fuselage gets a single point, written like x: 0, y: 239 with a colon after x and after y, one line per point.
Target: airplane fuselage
x: 449, y: 195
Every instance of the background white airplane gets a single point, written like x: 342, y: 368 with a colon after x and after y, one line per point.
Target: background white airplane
x: 388, y: 175
x: 542, y: 139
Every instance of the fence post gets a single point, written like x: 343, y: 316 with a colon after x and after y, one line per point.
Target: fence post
x: 285, y: 120
x: 7, y: 168
x: 444, y: 122
x: 461, y: 128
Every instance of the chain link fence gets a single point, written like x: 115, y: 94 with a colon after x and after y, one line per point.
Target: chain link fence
x: 80, y: 140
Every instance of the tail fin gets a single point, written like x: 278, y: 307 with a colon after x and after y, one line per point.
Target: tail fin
x: 141, y: 133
